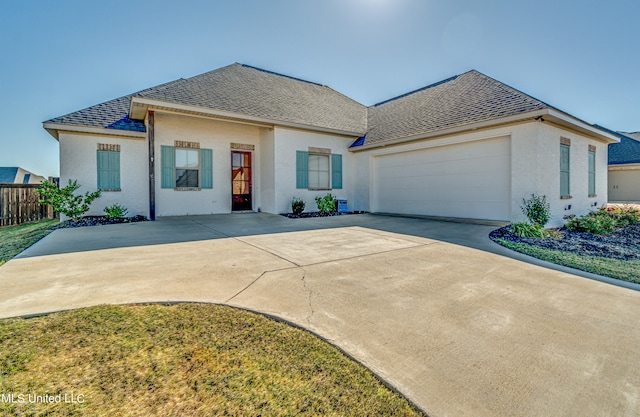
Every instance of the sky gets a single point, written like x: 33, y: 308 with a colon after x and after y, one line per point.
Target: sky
x: 581, y: 56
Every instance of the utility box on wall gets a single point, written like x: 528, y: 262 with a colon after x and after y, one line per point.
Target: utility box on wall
x: 342, y: 206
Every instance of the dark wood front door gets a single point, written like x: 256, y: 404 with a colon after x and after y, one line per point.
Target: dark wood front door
x: 241, y: 181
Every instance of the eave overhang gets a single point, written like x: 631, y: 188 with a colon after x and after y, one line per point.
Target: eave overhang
x: 54, y: 130
x: 140, y: 106
x: 548, y: 114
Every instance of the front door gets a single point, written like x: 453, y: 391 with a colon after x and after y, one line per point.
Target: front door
x: 241, y: 181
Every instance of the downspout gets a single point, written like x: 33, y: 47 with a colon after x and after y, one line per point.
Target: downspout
x: 152, y: 177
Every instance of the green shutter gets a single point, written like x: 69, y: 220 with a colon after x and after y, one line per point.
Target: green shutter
x: 336, y: 171
x: 302, y: 169
x: 206, y: 168
x: 565, y: 172
x: 168, y: 167
x: 592, y: 173
x: 108, y: 170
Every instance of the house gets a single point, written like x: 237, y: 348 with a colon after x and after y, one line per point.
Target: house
x: 16, y: 175
x: 241, y: 138
x: 624, y: 169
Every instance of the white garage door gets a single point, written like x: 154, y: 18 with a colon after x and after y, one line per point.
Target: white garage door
x: 471, y: 180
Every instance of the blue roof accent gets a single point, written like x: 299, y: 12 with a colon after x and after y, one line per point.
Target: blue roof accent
x: 26, y: 178
x: 281, y: 75
x: 625, y: 152
x: 127, y: 124
x: 418, y: 90
x: 8, y: 174
x: 358, y: 142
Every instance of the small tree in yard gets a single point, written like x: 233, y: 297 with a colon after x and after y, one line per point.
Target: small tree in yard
x: 64, y: 201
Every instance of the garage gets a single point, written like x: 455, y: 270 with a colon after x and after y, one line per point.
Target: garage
x: 468, y: 180
x: 624, y: 183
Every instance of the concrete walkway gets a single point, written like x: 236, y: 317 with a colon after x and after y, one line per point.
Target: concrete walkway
x: 428, y: 306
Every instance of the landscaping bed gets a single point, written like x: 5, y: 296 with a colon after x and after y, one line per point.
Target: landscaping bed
x: 319, y: 214
x: 623, y: 244
x: 97, y: 221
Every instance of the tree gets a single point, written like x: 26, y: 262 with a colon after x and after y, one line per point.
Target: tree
x: 64, y: 201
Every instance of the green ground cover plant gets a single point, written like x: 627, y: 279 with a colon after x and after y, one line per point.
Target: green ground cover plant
x: 182, y: 360
x: 15, y: 239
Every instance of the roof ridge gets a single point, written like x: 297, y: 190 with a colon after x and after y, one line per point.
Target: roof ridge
x: 416, y: 90
x: 282, y: 75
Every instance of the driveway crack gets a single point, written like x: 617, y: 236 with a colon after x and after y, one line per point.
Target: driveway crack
x: 310, y: 295
x: 246, y: 287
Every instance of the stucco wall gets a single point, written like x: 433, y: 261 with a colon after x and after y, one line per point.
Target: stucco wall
x: 267, y: 171
x: 212, y: 134
x: 549, y: 167
x: 287, y: 142
x: 624, y: 183
x: 535, y: 166
x: 78, y: 161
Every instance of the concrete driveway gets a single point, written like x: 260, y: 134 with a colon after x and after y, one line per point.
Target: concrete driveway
x: 433, y: 308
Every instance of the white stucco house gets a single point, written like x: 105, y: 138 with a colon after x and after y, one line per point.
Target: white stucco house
x: 624, y: 169
x: 241, y: 138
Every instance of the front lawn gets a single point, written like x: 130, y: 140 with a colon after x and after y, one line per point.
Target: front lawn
x: 180, y: 360
x: 15, y: 239
x: 616, y: 254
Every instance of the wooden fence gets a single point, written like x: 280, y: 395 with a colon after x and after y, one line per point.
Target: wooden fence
x: 19, y: 203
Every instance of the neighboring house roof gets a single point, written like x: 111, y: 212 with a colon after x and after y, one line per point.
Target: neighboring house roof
x: 8, y: 175
x: 463, y: 99
x: 627, y: 151
x: 243, y: 92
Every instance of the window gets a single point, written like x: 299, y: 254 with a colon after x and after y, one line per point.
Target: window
x: 592, y: 172
x: 108, y: 167
x: 187, y: 169
x: 565, y: 171
x: 318, y: 171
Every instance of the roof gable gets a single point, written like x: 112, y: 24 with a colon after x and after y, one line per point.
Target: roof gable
x: 627, y: 151
x: 252, y: 91
x: 467, y: 98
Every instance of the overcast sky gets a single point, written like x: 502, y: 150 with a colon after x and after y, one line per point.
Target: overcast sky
x: 61, y: 56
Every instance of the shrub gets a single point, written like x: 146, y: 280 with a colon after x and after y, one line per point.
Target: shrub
x: 530, y: 230
x: 64, y: 201
x: 327, y: 204
x: 623, y: 216
x: 297, y: 206
x: 592, y: 223
x: 115, y: 211
x: 537, y: 209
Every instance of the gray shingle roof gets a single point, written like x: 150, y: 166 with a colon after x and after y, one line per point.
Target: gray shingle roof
x: 467, y: 98
x: 627, y: 151
x: 252, y: 91
x: 113, y: 114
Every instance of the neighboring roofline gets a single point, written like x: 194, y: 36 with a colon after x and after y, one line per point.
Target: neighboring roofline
x: 552, y: 115
x: 624, y: 166
x: 139, y: 106
x: 54, y: 130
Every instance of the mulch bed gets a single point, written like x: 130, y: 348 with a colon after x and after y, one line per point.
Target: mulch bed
x: 622, y: 244
x: 306, y: 215
x: 97, y: 221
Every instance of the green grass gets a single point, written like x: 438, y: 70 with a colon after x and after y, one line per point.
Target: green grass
x: 182, y: 360
x: 614, y: 268
x: 15, y: 239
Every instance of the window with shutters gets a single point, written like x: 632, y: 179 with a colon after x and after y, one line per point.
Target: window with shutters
x: 186, y: 168
x: 108, y: 162
x: 320, y: 170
